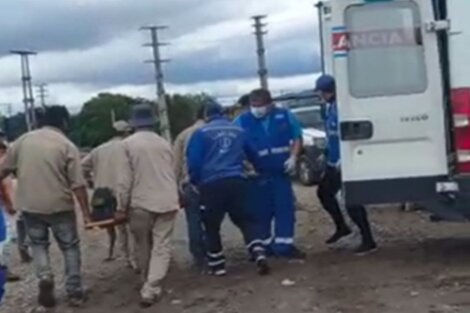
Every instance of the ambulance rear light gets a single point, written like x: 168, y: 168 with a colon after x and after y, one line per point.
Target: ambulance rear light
x: 461, y: 112
x: 463, y: 156
x: 461, y: 121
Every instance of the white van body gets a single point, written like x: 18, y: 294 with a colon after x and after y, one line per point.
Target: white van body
x: 393, y: 93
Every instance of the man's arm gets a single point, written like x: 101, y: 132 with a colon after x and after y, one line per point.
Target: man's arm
x: 125, y: 178
x: 178, y: 152
x: 6, y: 198
x: 87, y: 163
x: 88, y: 167
x: 195, y: 157
x: 77, y: 182
x: 250, y: 151
x: 296, y: 134
x: 10, y: 162
x: 81, y: 194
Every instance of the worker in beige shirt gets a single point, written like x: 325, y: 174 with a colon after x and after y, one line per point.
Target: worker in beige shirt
x: 149, y: 191
x: 102, y: 165
x: 49, y: 174
x: 190, y: 195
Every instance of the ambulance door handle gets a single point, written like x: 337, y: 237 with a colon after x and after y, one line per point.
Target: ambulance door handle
x: 356, y: 130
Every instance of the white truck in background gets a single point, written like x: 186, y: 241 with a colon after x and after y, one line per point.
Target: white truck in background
x: 403, y: 90
x: 307, y: 107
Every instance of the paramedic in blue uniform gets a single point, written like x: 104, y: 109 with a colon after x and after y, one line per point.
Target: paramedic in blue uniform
x: 277, y: 137
x: 215, y: 155
x: 330, y: 184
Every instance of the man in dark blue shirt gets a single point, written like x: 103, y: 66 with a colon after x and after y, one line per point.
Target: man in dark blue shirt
x: 215, y: 155
x: 330, y: 184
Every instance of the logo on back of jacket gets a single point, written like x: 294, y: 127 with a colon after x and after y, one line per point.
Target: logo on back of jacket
x: 225, y: 140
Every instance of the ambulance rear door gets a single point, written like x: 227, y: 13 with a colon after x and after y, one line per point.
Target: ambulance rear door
x: 390, y: 98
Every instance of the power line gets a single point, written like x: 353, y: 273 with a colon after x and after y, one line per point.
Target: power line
x: 261, y: 51
x: 157, y: 61
x: 28, y: 97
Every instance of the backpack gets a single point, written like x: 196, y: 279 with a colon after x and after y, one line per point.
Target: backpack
x: 104, y: 205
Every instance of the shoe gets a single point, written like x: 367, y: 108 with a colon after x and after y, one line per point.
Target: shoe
x: 338, y: 235
x: 150, y: 297
x: 221, y: 272
x: 366, y: 248
x: 46, y: 293
x: 263, y: 267
x: 76, y: 300
x: 146, y: 303
x: 12, y: 278
x: 436, y: 218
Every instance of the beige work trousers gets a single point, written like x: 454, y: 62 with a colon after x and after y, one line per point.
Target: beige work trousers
x: 152, y: 234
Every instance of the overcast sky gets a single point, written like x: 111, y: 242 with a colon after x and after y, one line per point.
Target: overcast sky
x: 89, y: 46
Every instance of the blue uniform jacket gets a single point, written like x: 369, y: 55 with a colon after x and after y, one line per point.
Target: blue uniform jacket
x: 217, y: 151
x: 332, y: 132
x: 271, y: 136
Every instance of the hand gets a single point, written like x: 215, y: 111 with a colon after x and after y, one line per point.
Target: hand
x: 121, y: 216
x: 290, y: 165
x: 87, y: 220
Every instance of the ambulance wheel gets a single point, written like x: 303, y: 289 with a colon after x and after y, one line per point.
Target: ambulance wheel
x: 305, y: 172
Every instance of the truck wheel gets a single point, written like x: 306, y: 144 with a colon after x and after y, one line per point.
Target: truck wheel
x: 305, y: 172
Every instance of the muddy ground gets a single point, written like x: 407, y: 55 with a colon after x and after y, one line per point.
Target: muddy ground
x: 421, y: 267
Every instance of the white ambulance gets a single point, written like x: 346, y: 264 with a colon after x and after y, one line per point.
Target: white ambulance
x: 403, y: 79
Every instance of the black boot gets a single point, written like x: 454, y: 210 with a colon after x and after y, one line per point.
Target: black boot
x: 365, y: 248
x: 263, y: 267
x: 340, y: 233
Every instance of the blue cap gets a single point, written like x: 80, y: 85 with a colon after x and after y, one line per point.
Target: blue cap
x: 326, y: 83
x: 213, y: 108
x: 142, y: 116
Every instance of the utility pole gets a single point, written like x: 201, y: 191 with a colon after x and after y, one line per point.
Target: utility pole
x: 320, y: 5
x: 42, y: 93
x: 157, y: 61
x: 261, y: 50
x: 28, y: 97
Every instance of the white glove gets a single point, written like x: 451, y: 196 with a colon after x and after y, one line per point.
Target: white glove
x: 290, y: 165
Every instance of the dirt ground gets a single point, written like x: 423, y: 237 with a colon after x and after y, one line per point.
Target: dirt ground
x: 421, y: 267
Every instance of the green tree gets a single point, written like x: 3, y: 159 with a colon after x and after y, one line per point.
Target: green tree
x: 93, y: 125
x: 182, y: 110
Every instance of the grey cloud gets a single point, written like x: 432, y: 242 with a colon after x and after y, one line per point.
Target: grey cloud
x: 233, y: 59
x: 64, y: 24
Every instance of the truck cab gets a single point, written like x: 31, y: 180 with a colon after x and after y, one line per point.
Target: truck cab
x: 403, y: 89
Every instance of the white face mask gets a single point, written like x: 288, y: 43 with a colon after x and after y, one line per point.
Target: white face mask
x: 259, y: 112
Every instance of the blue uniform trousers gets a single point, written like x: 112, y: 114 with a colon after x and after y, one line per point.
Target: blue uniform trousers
x: 219, y: 198
x: 274, y: 203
